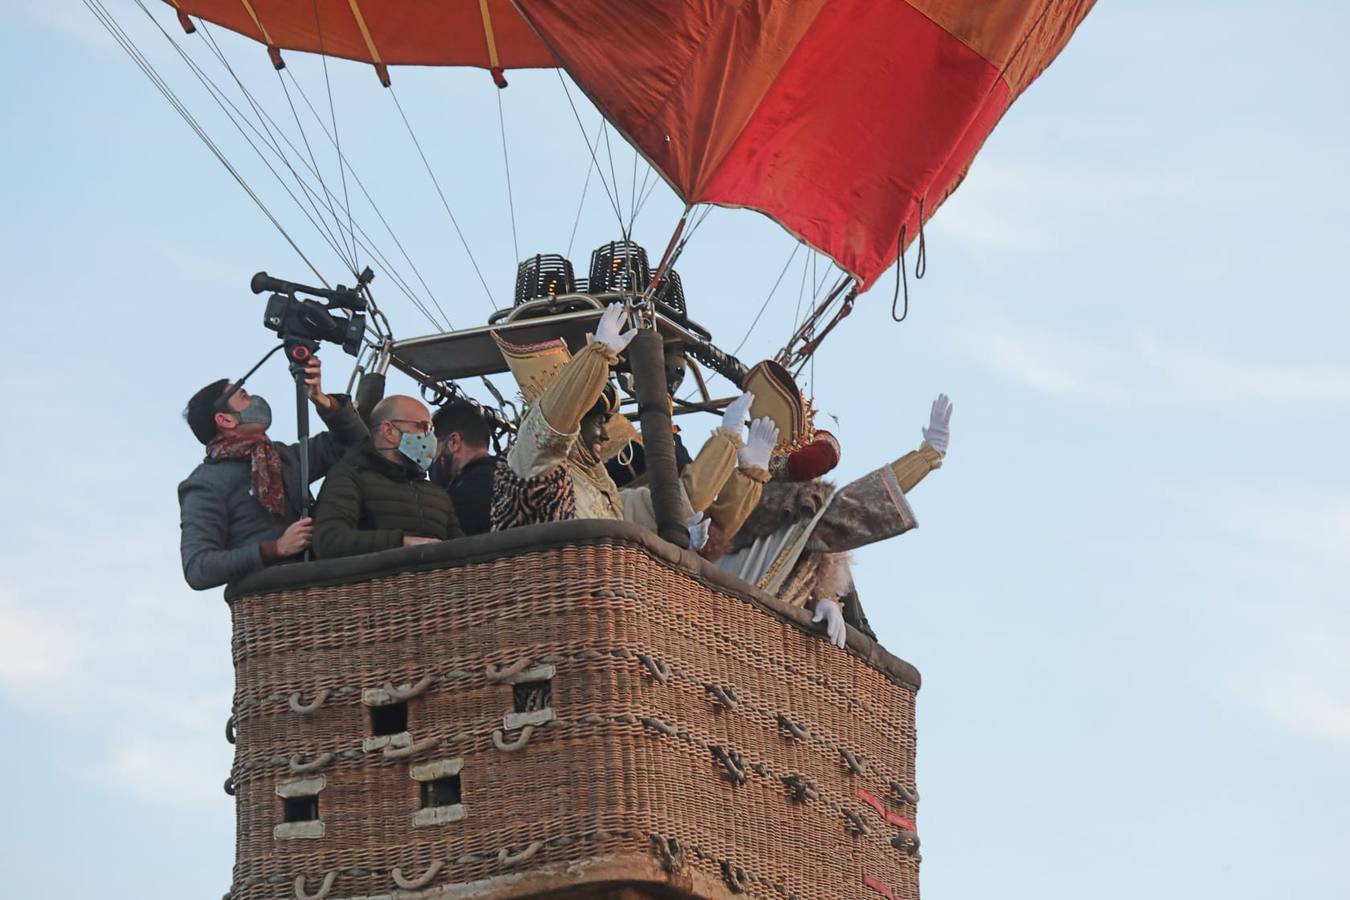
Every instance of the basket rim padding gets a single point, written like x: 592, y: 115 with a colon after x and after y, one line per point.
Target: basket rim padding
x: 556, y: 536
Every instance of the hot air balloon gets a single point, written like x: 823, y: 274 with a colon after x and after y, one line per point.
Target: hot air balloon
x: 587, y: 708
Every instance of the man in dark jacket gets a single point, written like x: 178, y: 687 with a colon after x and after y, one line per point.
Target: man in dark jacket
x: 379, y: 497
x: 240, y: 509
x: 463, y: 466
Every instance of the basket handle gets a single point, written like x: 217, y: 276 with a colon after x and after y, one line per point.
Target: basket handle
x: 499, y: 739
x: 412, y: 884
x: 501, y: 673
x: 403, y: 695
x: 411, y: 749
x: 306, y: 709
x: 318, y: 762
x: 302, y: 894
x: 506, y: 858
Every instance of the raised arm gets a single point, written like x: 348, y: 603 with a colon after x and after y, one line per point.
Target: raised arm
x: 740, y: 495
x: 875, y: 507
x: 552, y: 425
x: 704, y: 478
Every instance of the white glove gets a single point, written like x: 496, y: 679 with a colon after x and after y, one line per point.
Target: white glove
x: 757, y: 450
x: 733, y: 417
x: 698, y: 525
x: 938, y: 433
x: 611, y: 324
x: 829, y: 611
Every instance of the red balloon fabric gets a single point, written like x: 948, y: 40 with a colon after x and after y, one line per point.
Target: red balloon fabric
x: 846, y: 121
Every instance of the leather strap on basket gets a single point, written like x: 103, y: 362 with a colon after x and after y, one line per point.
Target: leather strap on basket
x: 412, y: 884
x: 324, y: 888
x: 506, y: 858
x: 306, y: 709
x: 501, y: 743
x: 299, y: 767
x: 404, y: 694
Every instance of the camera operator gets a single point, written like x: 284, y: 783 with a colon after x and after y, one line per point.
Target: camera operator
x: 240, y: 508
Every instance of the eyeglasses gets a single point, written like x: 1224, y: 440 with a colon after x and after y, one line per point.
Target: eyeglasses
x: 422, y: 426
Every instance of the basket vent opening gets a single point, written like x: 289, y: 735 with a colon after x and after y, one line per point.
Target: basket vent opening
x: 391, y: 718
x: 300, y: 809
x: 532, y: 695
x: 441, y: 792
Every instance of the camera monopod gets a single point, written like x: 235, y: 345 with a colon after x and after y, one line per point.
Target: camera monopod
x: 298, y: 353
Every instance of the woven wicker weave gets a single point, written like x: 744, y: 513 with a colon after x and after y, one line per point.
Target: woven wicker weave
x: 701, y: 742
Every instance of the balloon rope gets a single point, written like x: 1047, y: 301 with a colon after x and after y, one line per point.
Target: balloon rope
x: 444, y: 202
x: 506, y: 162
x: 133, y: 52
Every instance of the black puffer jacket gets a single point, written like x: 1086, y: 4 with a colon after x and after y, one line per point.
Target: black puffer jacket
x: 369, y: 504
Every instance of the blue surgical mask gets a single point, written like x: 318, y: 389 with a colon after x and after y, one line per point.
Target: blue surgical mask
x: 418, y: 447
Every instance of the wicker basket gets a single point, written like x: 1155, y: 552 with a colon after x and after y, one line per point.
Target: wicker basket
x: 588, y: 709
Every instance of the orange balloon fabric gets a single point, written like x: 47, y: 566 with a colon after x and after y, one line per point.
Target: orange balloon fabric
x: 846, y: 121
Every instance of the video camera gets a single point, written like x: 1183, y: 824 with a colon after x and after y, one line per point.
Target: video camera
x: 302, y: 324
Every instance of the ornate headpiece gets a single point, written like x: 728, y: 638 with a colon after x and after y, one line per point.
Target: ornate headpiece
x: 778, y: 397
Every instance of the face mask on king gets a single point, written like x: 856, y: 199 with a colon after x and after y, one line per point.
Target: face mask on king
x: 420, y: 448
x: 258, y: 412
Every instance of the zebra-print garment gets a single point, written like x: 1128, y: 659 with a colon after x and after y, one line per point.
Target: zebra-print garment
x: 520, y: 501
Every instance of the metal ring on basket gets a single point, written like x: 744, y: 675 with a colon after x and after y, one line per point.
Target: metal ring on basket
x: 229, y: 729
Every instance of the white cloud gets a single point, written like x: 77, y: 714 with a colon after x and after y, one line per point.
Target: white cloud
x: 1023, y: 207
x: 104, y: 641
x: 1314, y: 709
x: 1144, y: 369
x: 1283, y: 545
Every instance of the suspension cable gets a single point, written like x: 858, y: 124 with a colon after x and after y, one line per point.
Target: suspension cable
x: 613, y: 202
x: 273, y: 130
x: 765, y: 305
x: 110, y: 24
x: 444, y: 202
x: 235, y: 118
x: 506, y: 163
x: 269, y: 138
x: 604, y: 132
x: 373, y: 205
x: 337, y: 136
x: 590, y: 167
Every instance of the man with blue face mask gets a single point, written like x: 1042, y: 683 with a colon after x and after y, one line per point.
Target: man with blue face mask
x: 379, y: 496
x: 240, y: 508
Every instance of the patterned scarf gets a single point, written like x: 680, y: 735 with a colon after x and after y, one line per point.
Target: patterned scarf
x: 264, y: 467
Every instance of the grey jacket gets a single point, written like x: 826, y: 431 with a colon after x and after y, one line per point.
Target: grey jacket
x: 224, y: 526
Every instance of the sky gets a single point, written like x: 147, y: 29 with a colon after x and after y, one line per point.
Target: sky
x: 1128, y: 593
